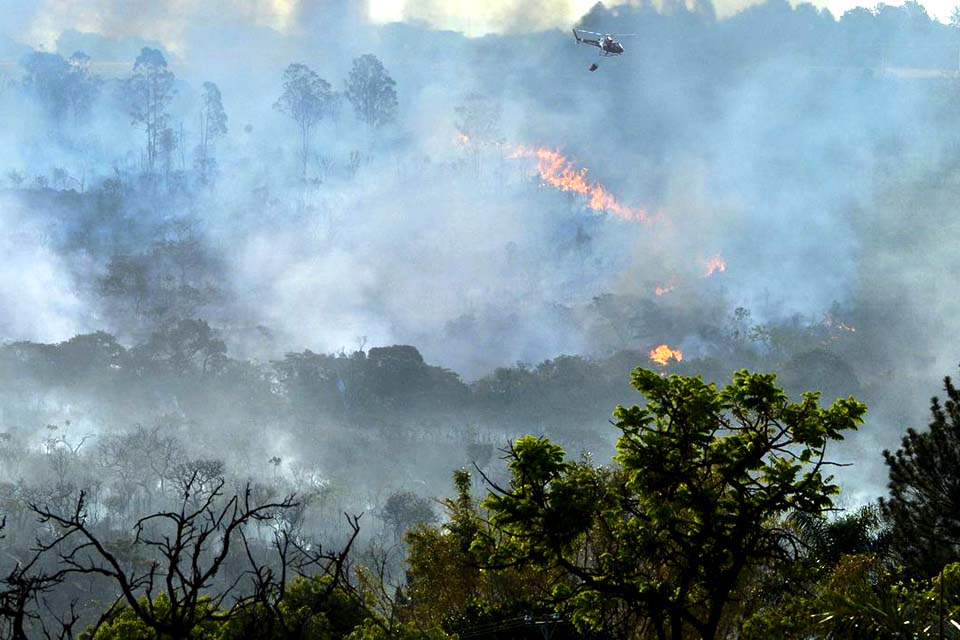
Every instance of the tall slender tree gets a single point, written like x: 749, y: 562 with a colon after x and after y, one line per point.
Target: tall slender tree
x: 306, y: 98
x: 213, y: 125
x: 147, y: 93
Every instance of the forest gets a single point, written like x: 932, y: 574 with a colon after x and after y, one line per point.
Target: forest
x: 318, y: 327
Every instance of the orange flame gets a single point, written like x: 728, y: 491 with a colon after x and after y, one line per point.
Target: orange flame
x: 714, y: 265
x: 662, y: 290
x: 463, y: 138
x: 662, y: 354
x: 558, y: 171
x: 836, y: 324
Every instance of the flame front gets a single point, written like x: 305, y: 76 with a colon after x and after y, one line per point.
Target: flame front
x: 714, y: 265
x: 558, y: 171
x: 828, y: 321
x: 662, y: 354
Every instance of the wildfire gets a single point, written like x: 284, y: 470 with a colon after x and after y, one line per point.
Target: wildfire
x: 463, y: 138
x: 836, y: 324
x: 714, y: 265
x: 558, y: 171
x: 662, y: 355
x: 666, y: 289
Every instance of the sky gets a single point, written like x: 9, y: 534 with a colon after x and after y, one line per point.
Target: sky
x: 38, y: 23
x: 476, y: 17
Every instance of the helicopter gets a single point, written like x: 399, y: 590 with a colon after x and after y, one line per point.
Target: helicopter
x: 605, y: 42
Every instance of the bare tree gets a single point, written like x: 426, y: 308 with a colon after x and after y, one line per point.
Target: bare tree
x: 182, y: 554
x: 23, y: 598
x: 140, y: 463
x: 299, y: 559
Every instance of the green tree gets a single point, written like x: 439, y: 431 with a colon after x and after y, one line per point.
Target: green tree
x: 314, y: 608
x: 123, y: 622
x: 848, y: 551
x: 448, y: 589
x: 863, y: 597
x: 694, y: 501
x: 924, y: 503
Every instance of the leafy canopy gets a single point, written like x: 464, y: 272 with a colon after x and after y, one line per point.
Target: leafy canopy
x: 695, y: 497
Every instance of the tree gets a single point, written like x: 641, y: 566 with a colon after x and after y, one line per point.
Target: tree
x: 447, y: 588
x: 183, y: 551
x: 306, y: 98
x: 370, y: 90
x: 701, y: 481
x: 61, y: 86
x: 318, y: 606
x: 863, y: 597
x: 147, y: 93
x: 44, y: 77
x: 844, y: 564
x: 169, y: 142
x: 22, y: 589
x: 404, y: 510
x: 138, y: 462
x: 213, y: 124
x: 924, y: 503
x: 82, y: 86
x: 127, y: 277
x: 183, y: 345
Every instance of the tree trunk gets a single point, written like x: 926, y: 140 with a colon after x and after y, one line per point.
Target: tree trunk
x: 304, y: 150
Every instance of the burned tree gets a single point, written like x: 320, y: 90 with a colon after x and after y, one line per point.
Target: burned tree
x: 24, y: 605
x: 170, y: 576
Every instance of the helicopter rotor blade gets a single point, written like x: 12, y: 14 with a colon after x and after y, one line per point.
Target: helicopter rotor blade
x: 593, y: 33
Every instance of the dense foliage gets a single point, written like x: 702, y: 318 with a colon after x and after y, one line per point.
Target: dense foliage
x: 924, y: 503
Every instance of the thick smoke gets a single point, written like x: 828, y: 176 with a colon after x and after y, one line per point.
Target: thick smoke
x: 38, y: 291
